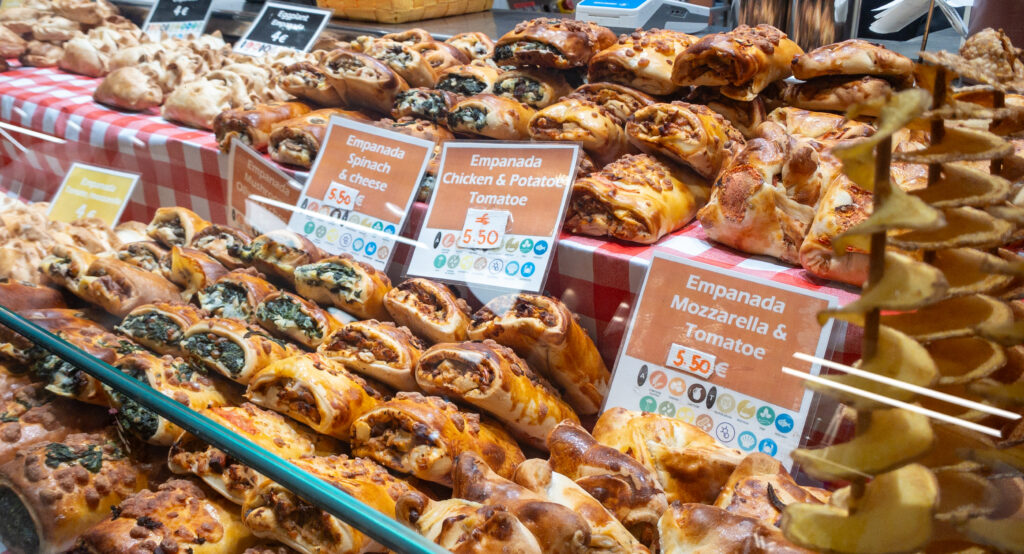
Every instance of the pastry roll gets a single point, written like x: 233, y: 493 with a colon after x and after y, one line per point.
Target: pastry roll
x: 87, y: 12
x: 642, y: 60
x: 225, y: 244
x: 274, y: 512
x: 441, y: 55
x: 546, y: 334
x: 232, y: 348
x: 466, y: 527
x: 252, y: 125
x: 691, y: 134
x: 474, y: 44
x: 119, y: 288
x: 635, y: 198
x: 837, y: 94
x: 160, y: 327
x: 377, y: 350
x: 493, y: 379
x: 422, y: 436
x: 192, y: 270
x: 54, y: 28
x: 67, y: 380
x: 279, y: 252
x: 66, y: 265
x: 744, y: 116
x: 41, y: 54
x: 52, y: 492
x: 574, y: 120
x: 362, y: 81
x: 297, y: 141
x: 418, y: 128
x: 742, y: 61
x: 145, y: 255
x: 491, y: 116
x: 267, y: 429
x: 818, y: 125
x: 19, y: 296
x: 410, y: 36
x: 404, y: 60
x: 171, y: 377
x: 619, y: 101
x: 842, y: 205
x: 134, y: 88
x: 341, y: 281
x: 175, y: 226
x: 552, y: 43
x: 178, y: 513
x: 294, y: 318
x: 750, y: 490
x: 536, y: 88
x: 700, y: 528
x: 308, y: 81
x: 314, y: 390
x: 16, y: 348
x: 33, y: 415
x: 197, y: 103
x: 424, y: 103
x: 852, y: 57
x: 429, y: 310
x: 236, y: 295
x: 469, y: 79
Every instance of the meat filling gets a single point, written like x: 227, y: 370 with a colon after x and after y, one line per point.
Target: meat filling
x: 142, y: 257
x: 508, y: 51
x: 394, y: 437
x: 361, y: 346
x: 426, y: 302
x: 462, y: 375
x: 295, y: 394
x: 171, y: 231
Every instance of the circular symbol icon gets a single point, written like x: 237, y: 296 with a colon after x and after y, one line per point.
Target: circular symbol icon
x: 496, y: 266
x: 745, y: 409
x: 437, y: 239
x: 313, y: 206
x: 511, y: 268
x: 697, y: 393
x: 371, y: 247
x: 765, y: 415
x: 378, y: 225
x: 704, y: 423
x: 439, y: 261
x: 453, y: 261
x: 725, y: 431
x: 768, y: 447
x: 511, y: 245
x: 390, y: 229
x: 667, y: 409
x: 784, y: 423
x: 467, y: 262
x: 338, y: 214
x: 526, y: 245
x: 747, y: 441
x: 641, y: 376
x: 712, y: 396
x: 357, y: 244
x: 309, y: 227
x: 529, y: 269
x: 726, y: 403
x: 540, y: 248
x: 677, y: 387
x: 346, y: 240
x: 332, y: 235
x: 321, y: 231
x: 648, y: 404
x: 659, y: 380
x: 382, y: 252
x: 480, y: 263
x: 685, y: 413
x: 448, y: 240
x: 329, y: 211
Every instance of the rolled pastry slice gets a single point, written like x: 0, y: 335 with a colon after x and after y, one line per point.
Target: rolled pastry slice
x: 377, y: 350
x: 756, y: 488
x: 19, y: 296
x: 418, y: 128
x: 252, y: 125
x: 192, y: 270
x: 362, y: 81
x: 468, y: 79
x: 424, y: 103
x: 493, y: 379
x: 306, y: 80
x: 180, y: 512
x: 291, y: 317
x: 618, y: 100
x: 546, y: 334
x: 297, y: 141
x: 404, y: 60
x: 52, y: 492
x: 573, y: 120
x: 175, y: 226
x: 119, y: 288
x: 341, y: 281
x: 852, y: 57
x: 232, y: 348
x: 744, y: 116
x: 133, y: 88
x: 18, y: 349
x: 474, y: 44
x: 422, y: 436
x: 67, y: 380
x: 173, y: 377
x: 429, y: 310
x: 143, y: 255
x: 697, y: 527
x: 642, y: 60
x: 279, y: 252
x: 552, y: 43
x: 691, y: 134
x: 837, y: 94
x: 536, y: 88
x: 314, y: 390
x: 236, y: 295
x: 225, y: 244
x: 33, y: 415
x: 635, y: 198
x: 66, y: 265
x: 274, y: 512
x: 466, y: 527
x: 441, y: 55
x: 224, y: 474
x: 161, y: 327
x: 818, y: 125
x: 491, y: 116
x: 842, y: 205
x: 410, y: 36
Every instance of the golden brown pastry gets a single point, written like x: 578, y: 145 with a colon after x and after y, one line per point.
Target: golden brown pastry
x: 410, y: 36
x: 536, y: 88
x: 192, y: 270
x: 175, y: 226
x: 466, y: 527
x: 441, y: 55
x: 642, y: 60
x: 474, y: 44
x: 87, y: 12
x: 134, y: 88
x: 429, y: 310
x: 297, y: 141
x: 418, y: 128
x: 701, y: 528
x: 842, y: 205
x: 377, y: 350
x: 67, y: 380
x: 757, y: 488
x: 20, y: 19
x: 66, y: 265
x: 491, y: 116
x: 818, y: 125
x: 837, y: 94
x: 19, y: 296
x: 119, y: 287
x: 744, y: 116
x: 546, y: 334
x: 291, y: 317
x: 468, y: 79
x: 253, y: 124
x: 278, y: 253
x: 403, y: 60
x: 32, y: 415
x: 232, y: 348
x: 552, y: 43
x: 199, y: 102
x: 160, y: 327
x: 852, y: 57
x: 224, y: 244
x: 422, y: 436
x: 236, y: 295
x: 308, y: 81
x: 363, y: 81
x: 11, y: 44
x: 20, y: 351
x: 574, y: 120
x: 618, y: 100
x: 54, y: 28
x: 41, y: 54
x: 424, y: 103
x: 145, y: 255
x: 349, y: 285
x: 691, y: 134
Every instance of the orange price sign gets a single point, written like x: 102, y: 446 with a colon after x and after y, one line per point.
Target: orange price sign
x: 483, y: 229
x: 691, y: 360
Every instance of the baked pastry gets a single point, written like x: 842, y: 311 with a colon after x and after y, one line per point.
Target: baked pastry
x: 852, y: 57
x: 291, y: 317
x: 468, y: 79
x: 67, y: 380
x: 19, y: 296
x: 758, y: 487
x: 363, y: 81
x: 744, y: 116
x: 341, y: 281
x: 743, y: 61
x: 236, y: 295
x: 618, y: 100
x: 410, y: 36
x: 536, y: 88
x: 66, y: 265
x: 297, y: 141
x: 691, y: 134
x: 232, y: 348
x: 642, y: 59
x: 18, y: 349
x: 253, y: 124
x: 21, y: 18
x: 429, y: 310
x: 145, y: 255
x: 33, y: 415
x: 192, y: 270
x: 279, y: 252
x: 314, y: 390
x: 635, y: 198
x: 702, y: 528
x: 54, y: 28
x: 377, y: 350
x: 422, y: 436
x: 175, y: 226
x: 198, y: 103
x: 418, y: 128
x: 160, y: 327
x: 424, y: 103
x: 403, y: 60
x: 40, y: 53
x: 119, y: 287
x: 552, y: 43
x: 308, y: 81
x: 222, y: 243
x: 86, y: 12
x: 491, y: 116
x: 837, y: 94
x: 465, y: 527
x: 132, y: 88
x: 992, y: 51
x: 842, y: 205
x: 441, y: 55
x: 491, y: 378
x: 474, y: 44
x: 546, y: 334
x: 11, y: 43
x: 574, y: 120
x: 818, y: 125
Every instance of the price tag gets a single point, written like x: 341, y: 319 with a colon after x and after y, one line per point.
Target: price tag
x: 483, y: 229
x: 691, y: 360
x: 90, y: 191
x: 281, y: 26
x: 177, y: 18
x: 252, y: 178
x: 344, y: 197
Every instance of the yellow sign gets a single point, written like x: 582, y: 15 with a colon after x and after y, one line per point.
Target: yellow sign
x: 89, y: 191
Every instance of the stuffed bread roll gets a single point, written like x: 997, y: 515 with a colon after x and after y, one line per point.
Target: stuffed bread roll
x: 33, y: 415
x: 756, y: 488
x: 422, y: 436
x: 308, y: 81
x: 224, y: 474
x: 362, y: 81
x: 297, y: 141
x: 192, y: 270
x: 236, y: 295
x: 160, y: 327
x: 119, y: 288
x: 635, y: 198
x: 279, y: 252
x: 694, y: 527
x: 173, y: 377
x: 410, y: 36
x: 552, y: 43
x: 536, y: 88
x: 474, y: 44
x: 404, y: 60
x: 818, y: 125
x: 837, y: 94
x: 20, y: 296
x: 67, y: 380
x: 418, y: 128
x: 66, y: 265
x: 469, y: 79
x: 16, y: 348
x: 291, y: 317
x: 274, y: 512
x: 690, y: 134
x: 314, y: 390
x: 252, y: 125
x: 465, y: 527
x: 232, y: 348
x: 618, y: 100
x: 491, y: 116
x: 424, y: 103
x: 145, y: 255
x: 441, y: 55
x: 492, y: 378
x: 642, y: 60
x: 378, y: 350
x: 744, y: 116
x: 175, y: 226
x: 842, y: 205
x: 573, y: 120
x: 546, y: 334
x: 133, y: 88
x: 223, y: 244
x: 341, y: 281
x: 429, y: 310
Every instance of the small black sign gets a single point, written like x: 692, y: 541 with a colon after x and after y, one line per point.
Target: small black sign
x: 167, y: 11
x: 283, y: 26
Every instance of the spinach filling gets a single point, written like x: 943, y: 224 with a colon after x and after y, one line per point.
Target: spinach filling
x: 285, y: 313
x: 429, y: 106
x: 153, y: 327
x: 462, y: 84
x: 337, y: 278
x: 132, y: 416
x: 218, y: 349
x: 17, y: 527
x: 91, y: 458
x: 507, y: 51
x: 524, y: 90
x: 470, y: 116
x: 225, y: 300
x: 60, y: 374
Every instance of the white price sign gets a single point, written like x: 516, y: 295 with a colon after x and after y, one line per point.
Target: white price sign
x: 344, y: 197
x: 691, y: 360
x: 483, y: 229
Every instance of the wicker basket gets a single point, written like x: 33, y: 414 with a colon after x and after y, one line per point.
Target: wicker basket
x: 402, y: 11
